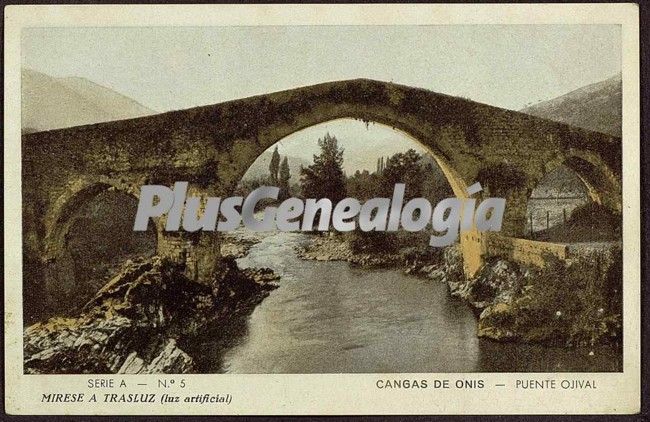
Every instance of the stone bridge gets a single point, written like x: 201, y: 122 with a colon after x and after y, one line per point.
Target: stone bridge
x: 212, y: 147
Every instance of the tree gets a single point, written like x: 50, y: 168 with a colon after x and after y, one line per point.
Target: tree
x: 380, y: 165
x: 435, y: 186
x: 324, y: 178
x: 403, y: 167
x: 363, y: 185
x: 285, y: 175
x: 274, y: 166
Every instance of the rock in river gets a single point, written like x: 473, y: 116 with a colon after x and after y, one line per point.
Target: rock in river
x: 136, y: 322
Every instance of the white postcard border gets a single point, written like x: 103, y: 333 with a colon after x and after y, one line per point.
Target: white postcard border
x: 328, y: 393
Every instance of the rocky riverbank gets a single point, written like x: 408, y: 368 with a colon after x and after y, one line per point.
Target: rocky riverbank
x: 237, y: 243
x: 335, y: 248
x: 138, y: 322
x: 575, y: 303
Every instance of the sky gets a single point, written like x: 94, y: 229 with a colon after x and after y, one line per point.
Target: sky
x: 362, y: 143
x: 172, y: 68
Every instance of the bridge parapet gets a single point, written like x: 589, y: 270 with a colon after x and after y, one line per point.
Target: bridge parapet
x: 523, y: 251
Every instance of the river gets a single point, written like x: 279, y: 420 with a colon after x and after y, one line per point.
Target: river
x: 331, y: 317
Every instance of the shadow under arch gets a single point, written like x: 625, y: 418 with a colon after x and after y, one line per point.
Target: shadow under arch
x: 67, y: 206
x: 81, y: 220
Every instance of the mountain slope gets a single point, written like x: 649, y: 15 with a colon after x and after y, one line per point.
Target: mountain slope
x: 53, y: 103
x: 595, y: 107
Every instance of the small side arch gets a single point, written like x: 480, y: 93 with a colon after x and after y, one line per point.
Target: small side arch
x: 62, y: 215
x: 603, y: 186
x: 88, y: 234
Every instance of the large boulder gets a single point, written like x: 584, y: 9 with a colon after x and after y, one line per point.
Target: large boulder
x: 136, y: 321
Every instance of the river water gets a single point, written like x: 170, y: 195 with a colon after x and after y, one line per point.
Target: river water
x: 333, y: 317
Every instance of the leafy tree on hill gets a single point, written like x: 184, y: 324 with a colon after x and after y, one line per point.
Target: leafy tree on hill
x: 325, y: 178
x: 364, y: 185
x: 403, y: 167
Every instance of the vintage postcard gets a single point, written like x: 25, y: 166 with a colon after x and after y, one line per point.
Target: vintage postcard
x: 322, y: 209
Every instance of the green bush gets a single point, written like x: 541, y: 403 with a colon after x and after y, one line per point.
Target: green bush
x: 576, y: 304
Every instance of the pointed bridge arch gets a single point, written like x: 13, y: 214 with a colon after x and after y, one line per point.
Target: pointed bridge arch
x: 212, y: 146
